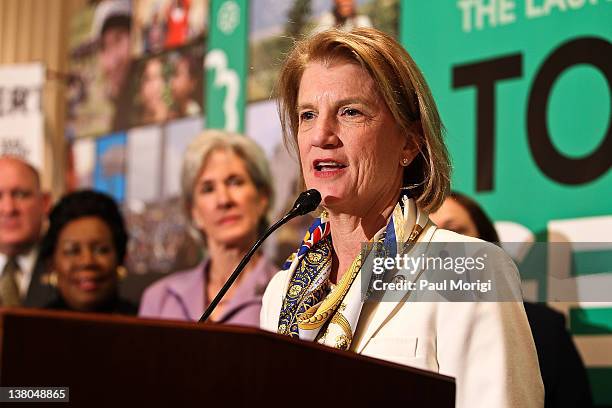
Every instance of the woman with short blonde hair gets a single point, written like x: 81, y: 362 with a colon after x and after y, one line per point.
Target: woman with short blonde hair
x: 369, y: 139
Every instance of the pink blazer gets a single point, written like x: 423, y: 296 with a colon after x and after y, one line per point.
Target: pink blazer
x: 180, y: 296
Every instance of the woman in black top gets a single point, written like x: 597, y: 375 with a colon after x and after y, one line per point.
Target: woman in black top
x: 84, y: 248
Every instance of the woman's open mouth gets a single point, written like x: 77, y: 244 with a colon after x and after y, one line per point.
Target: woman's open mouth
x: 327, y: 167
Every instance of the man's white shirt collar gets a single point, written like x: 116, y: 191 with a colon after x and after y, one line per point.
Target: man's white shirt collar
x: 26, y: 263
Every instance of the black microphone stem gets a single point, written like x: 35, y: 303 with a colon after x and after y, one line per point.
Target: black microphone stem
x: 305, y: 203
x: 241, y: 266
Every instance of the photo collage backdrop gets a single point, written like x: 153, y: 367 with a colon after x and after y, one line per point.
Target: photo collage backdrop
x: 135, y: 101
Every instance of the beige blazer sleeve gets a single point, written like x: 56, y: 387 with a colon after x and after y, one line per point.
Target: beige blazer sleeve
x: 488, y: 346
x: 489, y: 350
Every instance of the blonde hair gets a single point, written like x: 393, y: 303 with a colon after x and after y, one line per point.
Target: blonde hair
x: 401, y: 85
x: 200, y: 149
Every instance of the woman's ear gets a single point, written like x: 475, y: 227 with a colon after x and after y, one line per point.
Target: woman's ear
x: 265, y: 203
x: 48, y: 263
x: 412, y: 146
x: 195, y: 217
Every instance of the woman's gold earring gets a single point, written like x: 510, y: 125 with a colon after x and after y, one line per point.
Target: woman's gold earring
x: 405, y: 162
x: 121, y: 272
x: 49, y: 279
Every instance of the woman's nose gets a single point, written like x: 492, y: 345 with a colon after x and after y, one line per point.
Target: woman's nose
x: 325, y: 133
x: 224, y: 197
x: 87, y: 257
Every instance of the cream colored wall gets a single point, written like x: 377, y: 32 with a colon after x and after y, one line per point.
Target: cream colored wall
x: 37, y: 31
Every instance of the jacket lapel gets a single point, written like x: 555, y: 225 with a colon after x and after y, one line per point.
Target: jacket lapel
x: 284, y: 286
x: 189, y: 291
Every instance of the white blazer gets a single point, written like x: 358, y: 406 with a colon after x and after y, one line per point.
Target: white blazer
x: 486, y: 346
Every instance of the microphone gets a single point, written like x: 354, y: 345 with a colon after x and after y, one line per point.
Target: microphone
x: 305, y: 203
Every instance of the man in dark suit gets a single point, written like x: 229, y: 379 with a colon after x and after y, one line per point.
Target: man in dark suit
x: 23, y: 210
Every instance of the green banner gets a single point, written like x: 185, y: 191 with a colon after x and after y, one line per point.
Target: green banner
x: 226, y: 65
x: 524, y: 90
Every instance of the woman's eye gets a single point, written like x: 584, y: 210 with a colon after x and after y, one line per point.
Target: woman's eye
x: 350, y: 112
x: 235, y: 181
x: 102, y: 250
x: 206, y: 188
x: 70, y: 251
x: 305, y: 116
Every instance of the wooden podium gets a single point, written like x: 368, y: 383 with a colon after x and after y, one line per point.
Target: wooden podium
x: 122, y: 361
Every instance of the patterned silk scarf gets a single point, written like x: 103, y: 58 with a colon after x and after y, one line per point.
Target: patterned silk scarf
x: 314, y: 309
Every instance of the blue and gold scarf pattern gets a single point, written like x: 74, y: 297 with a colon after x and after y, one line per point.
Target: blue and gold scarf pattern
x: 310, y: 282
x: 314, y: 309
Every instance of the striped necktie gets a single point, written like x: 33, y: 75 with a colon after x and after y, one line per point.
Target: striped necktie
x: 9, y: 291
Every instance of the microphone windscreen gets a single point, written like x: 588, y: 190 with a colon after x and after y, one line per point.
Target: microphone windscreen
x: 307, y: 201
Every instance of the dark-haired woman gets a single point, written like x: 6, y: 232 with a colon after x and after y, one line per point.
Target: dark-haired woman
x: 84, y: 248
x: 563, y: 373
